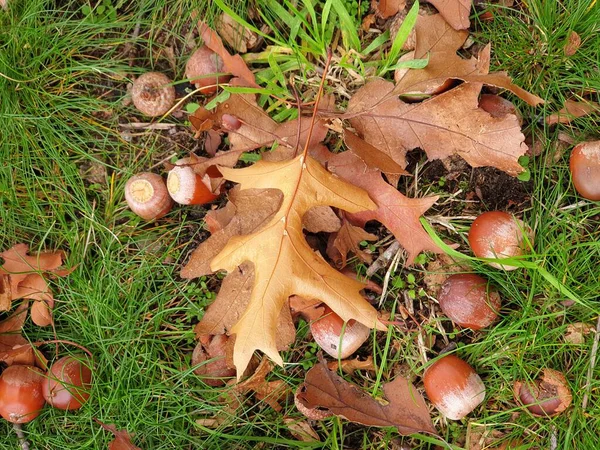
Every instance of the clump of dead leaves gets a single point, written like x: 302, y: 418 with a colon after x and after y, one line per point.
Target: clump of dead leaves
x: 258, y: 237
x: 23, y: 276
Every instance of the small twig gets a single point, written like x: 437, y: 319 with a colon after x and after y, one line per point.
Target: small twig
x: 388, y: 274
x: 147, y: 126
x: 588, y: 382
x: 162, y: 161
x: 22, y: 439
x: 383, y: 259
x: 553, y: 438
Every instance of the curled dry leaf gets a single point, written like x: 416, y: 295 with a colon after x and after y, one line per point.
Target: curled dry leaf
x: 283, y: 261
x: 326, y: 392
x: 272, y: 392
x: 455, y: 12
x: 122, y: 440
x: 445, y: 125
x: 348, y: 239
x: 573, y: 110
x: 211, y: 353
x: 349, y: 366
x: 21, y: 277
x: 388, y: 8
x: 40, y: 313
x: 576, y: 332
x: 233, y: 64
x: 256, y: 129
x: 301, y: 430
x: 14, y: 348
x: 237, y: 36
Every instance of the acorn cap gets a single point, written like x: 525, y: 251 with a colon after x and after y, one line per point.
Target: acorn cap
x: 147, y: 196
x: 153, y: 94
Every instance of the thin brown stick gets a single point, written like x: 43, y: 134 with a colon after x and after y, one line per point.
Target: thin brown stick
x: 590, y: 372
x: 317, y: 100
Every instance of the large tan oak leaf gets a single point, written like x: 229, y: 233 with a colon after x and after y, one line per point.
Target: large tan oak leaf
x: 445, y: 125
x: 284, y: 263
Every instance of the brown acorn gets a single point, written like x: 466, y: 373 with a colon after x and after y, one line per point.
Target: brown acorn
x: 498, y: 235
x: 468, y: 301
x: 201, y: 69
x: 585, y: 169
x: 67, y: 384
x: 453, y: 387
x: 21, y: 398
x: 549, y: 395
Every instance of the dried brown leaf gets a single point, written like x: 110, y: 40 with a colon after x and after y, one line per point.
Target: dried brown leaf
x: 434, y: 34
x: 455, y: 12
x: 573, y: 110
x: 406, y: 410
x: 122, y: 440
x: 398, y: 213
x: 576, y: 332
x: 374, y: 158
x: 448, y: 124
x: 321, y: 219
x: 257, y: 129
x: 301, y: 430
x: 283, y: 261
x: 254, y: 209
x: 308, y: 309
x: 349, y: 366
x: 211, y: 353
x: 348, y: 239
x: 270, y: 391
x: 446, y: 66
x: 233, y: 64
x: 5, y: 292
x: 388, y: 8
x: 230, y: 304
x: 41, y: 314
x: 14, y: 349
x: 237, y: 36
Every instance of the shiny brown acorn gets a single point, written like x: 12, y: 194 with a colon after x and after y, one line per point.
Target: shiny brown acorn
x: 468, y: 301
x: 201, y: 70
x: 147, y: 196
x: 549, y: 395
x: 498, y: 235
x: 21, y: 398
x: 585, y: 169
x: 153, y: 94
x: 186, y: 187
x: 67, y: 384
x: 336, y: 340
x: 453, y: 387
